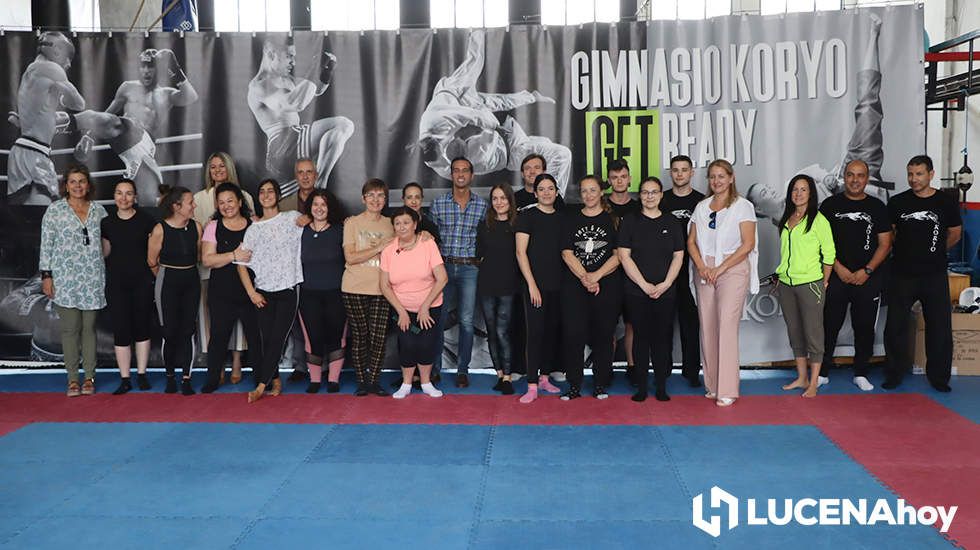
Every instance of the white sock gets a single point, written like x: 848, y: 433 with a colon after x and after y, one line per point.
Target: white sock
x: 822, y: 380
x: 863, y: 383
x: 403, y: 391
x: 431, y: 390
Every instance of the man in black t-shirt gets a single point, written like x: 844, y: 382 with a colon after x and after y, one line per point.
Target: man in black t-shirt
x: 863, y: 239
x: 679, y: 201
x: 618, y: 179
x: 927, y: 223
x: 532, y: 165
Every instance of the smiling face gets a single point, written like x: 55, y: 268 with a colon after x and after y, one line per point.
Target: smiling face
x: 855, y: 178
x: 530, y: 170
x: 462, y: 172
x: 374, y: 200
x: 546, y: 191
x: 800, y: 193
x: 267, y: 195
x: 218, y: 170
x: 228, y: 204
x: 77, y: 186
x: 124, y: 195
x: 319, y: 209
x: 185, y: 208
x: 413, y: 198
x: 591, y: 193
x: 305, y: 175
x: 719, y: 180
x: 500, y: 203
x: 404, y: 227
x: 650, y: 195
x: 919, y: 177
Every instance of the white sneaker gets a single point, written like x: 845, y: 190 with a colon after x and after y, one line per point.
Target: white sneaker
x: 431, y: 390
x: 823, y: 381
x: 558, y: 376
x: 403, y: 391
x: 863, y: 383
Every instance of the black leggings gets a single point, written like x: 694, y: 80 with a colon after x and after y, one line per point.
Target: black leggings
x: 590, y: 319
x: 653, y: 329
x: 543, y: 322
x: 323, y: 316
x: 275, y: 322
x: 223, y: 313
x: 178, y: 292
x: 131, y: 309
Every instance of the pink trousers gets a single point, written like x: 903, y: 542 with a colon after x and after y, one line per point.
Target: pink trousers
x: 720, y: 310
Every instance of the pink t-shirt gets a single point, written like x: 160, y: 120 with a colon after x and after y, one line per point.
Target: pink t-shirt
x: 210, y: 232
x: 410, y: 272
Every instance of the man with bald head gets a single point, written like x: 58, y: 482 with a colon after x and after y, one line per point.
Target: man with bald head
x: 862, y: 238
x: 44, y: 91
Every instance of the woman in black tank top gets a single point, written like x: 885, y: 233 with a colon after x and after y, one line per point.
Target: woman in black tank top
x: 172, y: 254
x: 228, y: 302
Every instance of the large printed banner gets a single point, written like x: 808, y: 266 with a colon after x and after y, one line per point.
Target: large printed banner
x: 775, y: 95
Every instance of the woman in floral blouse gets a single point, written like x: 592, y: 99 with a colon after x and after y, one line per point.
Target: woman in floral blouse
x: 73, y: 272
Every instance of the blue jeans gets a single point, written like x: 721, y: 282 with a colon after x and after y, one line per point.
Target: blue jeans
x: 497, y: 313
x: 459, y: 295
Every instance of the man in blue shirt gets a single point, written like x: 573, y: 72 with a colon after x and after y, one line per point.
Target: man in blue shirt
x: 458, y: 214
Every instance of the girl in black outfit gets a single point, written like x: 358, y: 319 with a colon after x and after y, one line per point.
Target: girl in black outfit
x: 496, y: 284
x: 227, y: 300
x: 321, y: 307
x: 651, y: 249
x: 172, y: 253
x: 129, y: 283
x: 591, y: 289
x: 538, y: 242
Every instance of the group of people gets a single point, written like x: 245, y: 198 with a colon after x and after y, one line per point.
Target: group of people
x: 550, y: 278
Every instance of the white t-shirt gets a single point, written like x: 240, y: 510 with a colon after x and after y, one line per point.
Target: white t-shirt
x: 726, y: 236
x: 275, y: 245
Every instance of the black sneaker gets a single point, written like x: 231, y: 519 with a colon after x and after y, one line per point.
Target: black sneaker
x: 333, y: 387
x: 361, y: 390
x: 891, y: 383
x: 186, y: 388
x: 662, y: 395
x: 506, y: 387
x: 142, y: 381
x: 600, y: 393
x: 124, y: 386
x: 376, y: 389
x: 499, y: 385
x: 639, y: 396
x: 313, y: 387
x: 941, y: 387
x: 573, y: 393
x: 171, y: 385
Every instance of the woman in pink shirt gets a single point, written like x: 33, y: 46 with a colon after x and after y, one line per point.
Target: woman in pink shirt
x: 412, y: 279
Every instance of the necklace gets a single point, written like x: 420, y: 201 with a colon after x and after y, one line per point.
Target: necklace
x: 401, y: 249
x: 316, y: 232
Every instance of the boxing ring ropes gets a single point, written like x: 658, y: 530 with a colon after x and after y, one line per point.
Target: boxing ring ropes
x: 105, y: 146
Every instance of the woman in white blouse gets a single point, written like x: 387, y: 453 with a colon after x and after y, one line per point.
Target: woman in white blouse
x: 722, y: 244
x: 274, y: 241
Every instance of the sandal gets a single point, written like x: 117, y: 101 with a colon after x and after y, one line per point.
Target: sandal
x: 276, y: 387
x: 88, y: 388
x: 74, y: 390
x: 725, y: 401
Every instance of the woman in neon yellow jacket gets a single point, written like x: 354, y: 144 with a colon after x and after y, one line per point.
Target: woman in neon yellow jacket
x: 806, y: 247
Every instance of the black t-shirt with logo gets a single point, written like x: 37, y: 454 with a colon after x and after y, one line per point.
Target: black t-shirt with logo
x: 921, y: 225
x: 543, y: 246
x: 622, y: 210
x: 591, y: 238
x: 856, y: 225
x: 652, y: 243
x: 681, y: 209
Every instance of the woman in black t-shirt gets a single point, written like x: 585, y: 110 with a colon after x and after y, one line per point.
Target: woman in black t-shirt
x: 129, y: 283
x: 227, y: 301
x: 496, y: 283
x: 539, y: 257
x: 651, y: 248
x: 591, y: 289
x: 321, y: 307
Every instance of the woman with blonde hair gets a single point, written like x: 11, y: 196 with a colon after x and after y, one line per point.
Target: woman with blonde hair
x: 724, y: 253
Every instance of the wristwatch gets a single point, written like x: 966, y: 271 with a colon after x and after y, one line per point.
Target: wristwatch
x: 868, y: 270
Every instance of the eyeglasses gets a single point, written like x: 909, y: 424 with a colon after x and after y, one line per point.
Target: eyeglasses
x: 650, y: 193
x: 85, y: 235
x: 712, y: 220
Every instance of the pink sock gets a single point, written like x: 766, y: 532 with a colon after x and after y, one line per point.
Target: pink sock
x: 333, y: 371
x: 531, y: 395
x: 546, y: 384
x: 315, y: 371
